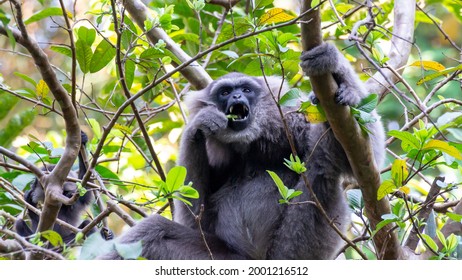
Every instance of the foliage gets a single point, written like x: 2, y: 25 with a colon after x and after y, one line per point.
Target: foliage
x: 105, y: 64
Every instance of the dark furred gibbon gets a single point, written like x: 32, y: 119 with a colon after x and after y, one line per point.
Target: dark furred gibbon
x: 234, y: 135
x: 68, y: 213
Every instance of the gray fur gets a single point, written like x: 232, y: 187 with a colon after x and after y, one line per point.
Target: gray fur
x: 241, y: 215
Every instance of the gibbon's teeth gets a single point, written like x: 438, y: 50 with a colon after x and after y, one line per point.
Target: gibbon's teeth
x: 231, y: 109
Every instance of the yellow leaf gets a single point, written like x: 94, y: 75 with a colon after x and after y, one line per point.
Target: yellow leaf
x: 443, y: 147
x: 275, y: 15
x: 313, y: 115
x: 399, y: 172
x: 385, y: 188
x: 69, y: 14
x: 42, y: 89
x: 405, y: 189
x: 429, y: 65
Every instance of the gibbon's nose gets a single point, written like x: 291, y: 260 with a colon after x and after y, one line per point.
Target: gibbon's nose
x: 237, y: 96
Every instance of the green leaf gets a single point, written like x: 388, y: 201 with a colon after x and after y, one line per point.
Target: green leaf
x: 293, y: 194
x: 104, y: 53
x: 407, y: 138
x: 443, y: 147
x: 262, y: 3
x: 387, y: 219
x: 175, y: 178
x: 240, y: 26
x: 441, y: 237
x: 454, y: 216
x: 281, y: 187
x: 88, y: 35
x: 106, y: 173
x: 385, y: 188
x: 429, y: 241
x: 26, y: 78
x: 83, y: 54
x: 78, y: 237
x: 314, y: 3
x: 23, y: 180
x: 314, y: 114
x: 62, y: 50
x: 15, y: 126
x: 96, y: 128
x: 291, y: 98
x: 189, y: 192
x: 53, y: 237
x: 129, y: 251
x: 355, y: 199
x: 368, y: 104
x: 80, y: 189
x: 451, y: 243
x: 130, y: 67
x: 48, y: 12
x: 295, y: 164
x: 7, y: 102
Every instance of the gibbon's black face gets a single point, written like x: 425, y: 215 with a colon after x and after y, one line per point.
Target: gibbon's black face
x: 236, y: 96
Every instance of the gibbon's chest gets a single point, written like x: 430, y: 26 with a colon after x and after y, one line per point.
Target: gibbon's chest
x: 246, y: 211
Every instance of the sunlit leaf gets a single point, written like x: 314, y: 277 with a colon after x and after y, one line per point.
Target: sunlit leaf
x: 407, y: 138
x: 387, y: 186
x: 454, y: 216
x: 42, y: 89
x: 405, y: 189
x: 281, y: 187
x: 429, y: 65
x: 439, y: 74
x: 399, y: 172
x: 275, y: 15
x: 88, y: 35
x: 53, y: 237
x: 175, y: 178
x: 443, y: 147
x: 429, y: 241
x: 313, y: 113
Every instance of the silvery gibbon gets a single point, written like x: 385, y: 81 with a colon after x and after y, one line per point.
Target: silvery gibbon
x: 68, y: 213
x: 227, y: 159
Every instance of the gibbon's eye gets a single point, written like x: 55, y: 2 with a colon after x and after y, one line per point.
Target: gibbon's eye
x: 224, y: 93
x: 246, y: 90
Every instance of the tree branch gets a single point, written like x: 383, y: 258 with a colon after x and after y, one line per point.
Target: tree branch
x: 54, y: 181
x: 355, y: 145
x: 413, y: 238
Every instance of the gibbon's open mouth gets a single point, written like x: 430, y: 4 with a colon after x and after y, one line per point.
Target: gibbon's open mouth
x: 237, y: 112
